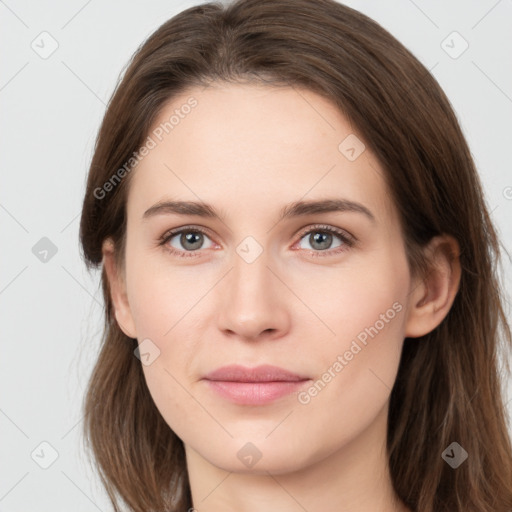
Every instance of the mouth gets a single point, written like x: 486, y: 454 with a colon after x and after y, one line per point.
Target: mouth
x: 254, y: 386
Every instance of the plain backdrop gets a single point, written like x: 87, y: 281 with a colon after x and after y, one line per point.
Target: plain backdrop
x: 51, y: 109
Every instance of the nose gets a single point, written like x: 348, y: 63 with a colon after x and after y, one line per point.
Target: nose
x: 253, y: 301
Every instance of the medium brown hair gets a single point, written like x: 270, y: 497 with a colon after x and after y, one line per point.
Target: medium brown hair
x: 448, y: 386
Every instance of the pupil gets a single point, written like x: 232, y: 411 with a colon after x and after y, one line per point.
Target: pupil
x: 321, y: 238
x: 188, y: 238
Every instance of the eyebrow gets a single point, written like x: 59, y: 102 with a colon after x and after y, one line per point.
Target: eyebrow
x: 295, y: 209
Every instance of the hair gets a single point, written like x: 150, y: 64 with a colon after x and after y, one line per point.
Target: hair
x: 448, y: 386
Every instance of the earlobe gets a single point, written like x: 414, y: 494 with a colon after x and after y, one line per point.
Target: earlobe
x: 431, y: 298
x: 117, y: 286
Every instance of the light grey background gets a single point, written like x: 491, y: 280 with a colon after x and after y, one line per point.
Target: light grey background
x: 51, y: 109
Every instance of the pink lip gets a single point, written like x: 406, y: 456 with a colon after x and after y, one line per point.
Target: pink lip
x: 254, y: 386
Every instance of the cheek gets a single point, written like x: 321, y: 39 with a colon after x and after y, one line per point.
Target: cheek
x: 162, y: 297
x: 357, y: 363
x: 364, y: 350
x: 162, y: 303
x: 355, y: 374
x: 348, y: 300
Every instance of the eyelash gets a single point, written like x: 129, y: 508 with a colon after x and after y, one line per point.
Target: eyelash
x: 348, y: 240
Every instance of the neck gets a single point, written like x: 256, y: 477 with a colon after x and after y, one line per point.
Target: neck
x: 354, y: 478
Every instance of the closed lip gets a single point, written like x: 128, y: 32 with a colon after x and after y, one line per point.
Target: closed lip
x: 262, y: 373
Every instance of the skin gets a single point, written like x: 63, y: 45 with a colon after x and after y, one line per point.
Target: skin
x: 249, y: 150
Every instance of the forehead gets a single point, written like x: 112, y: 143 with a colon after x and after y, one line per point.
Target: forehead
x: 252, y: 147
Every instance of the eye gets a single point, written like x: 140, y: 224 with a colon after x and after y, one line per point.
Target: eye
x: 190, y: 239
x: 320, y: 239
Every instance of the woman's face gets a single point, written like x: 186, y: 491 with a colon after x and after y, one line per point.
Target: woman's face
x: 322, y: 292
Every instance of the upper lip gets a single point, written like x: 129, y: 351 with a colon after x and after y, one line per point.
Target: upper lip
x: 263, y: 373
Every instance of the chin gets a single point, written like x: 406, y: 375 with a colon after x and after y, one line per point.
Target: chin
x: 239, y: 455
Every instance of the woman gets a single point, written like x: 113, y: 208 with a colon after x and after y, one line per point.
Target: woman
x: 299, y: 271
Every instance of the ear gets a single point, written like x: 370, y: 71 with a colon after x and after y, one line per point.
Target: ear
x: 117, y: 285
x: 432, y: 296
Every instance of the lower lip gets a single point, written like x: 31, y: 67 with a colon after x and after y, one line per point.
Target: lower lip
x: 254, y: 393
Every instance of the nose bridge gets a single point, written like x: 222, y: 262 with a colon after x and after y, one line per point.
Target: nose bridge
x: 251, y: 277
x: 252, y: 303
